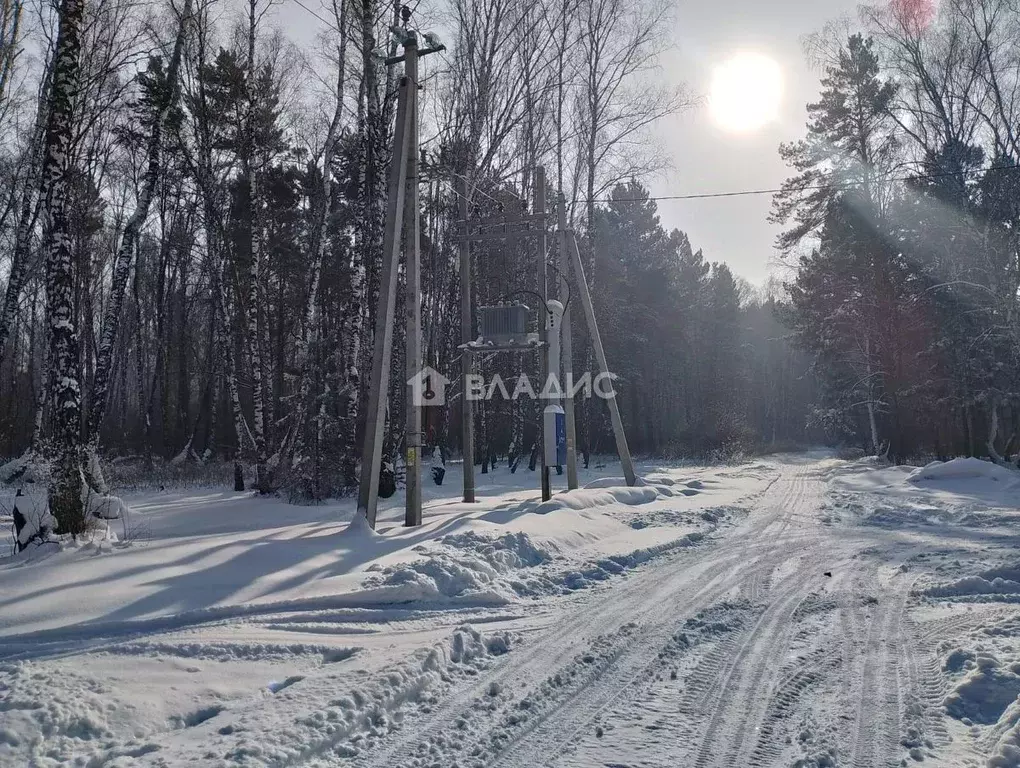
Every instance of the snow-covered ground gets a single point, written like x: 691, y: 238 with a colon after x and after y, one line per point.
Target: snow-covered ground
x: 795, y: 611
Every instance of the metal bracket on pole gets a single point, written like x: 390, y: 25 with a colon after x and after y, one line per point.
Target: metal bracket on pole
x: 614, y: 409
x: 371, y: 453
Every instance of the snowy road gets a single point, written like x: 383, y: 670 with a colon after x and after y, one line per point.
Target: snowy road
x: 632, y: 676
x: 808, y: 622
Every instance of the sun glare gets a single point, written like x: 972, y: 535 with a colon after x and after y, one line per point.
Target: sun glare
x: 745, y: 93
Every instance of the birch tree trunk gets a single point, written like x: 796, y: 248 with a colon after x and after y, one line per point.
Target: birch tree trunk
x: 262, y: 479
x: 65, y: 492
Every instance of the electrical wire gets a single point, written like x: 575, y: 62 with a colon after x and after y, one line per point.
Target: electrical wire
x: 324, y: 20
x: 809, y: 187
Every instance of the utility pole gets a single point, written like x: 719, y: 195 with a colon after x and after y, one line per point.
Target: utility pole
x: 543, y: 291
x: 402, y: 202
x: 467, y: 412
x: 581, y: 282
x: 566, y: 343
x: 375, y: 417
x: 412, y: 261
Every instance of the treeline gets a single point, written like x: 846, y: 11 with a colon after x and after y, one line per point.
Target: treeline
x: 191, y: 224
x: 903, y: 220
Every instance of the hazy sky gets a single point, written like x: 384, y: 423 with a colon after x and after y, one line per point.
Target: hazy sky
x: 706, y: 158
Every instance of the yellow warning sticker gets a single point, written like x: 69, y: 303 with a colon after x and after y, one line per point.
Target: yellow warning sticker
x: 411, y: 455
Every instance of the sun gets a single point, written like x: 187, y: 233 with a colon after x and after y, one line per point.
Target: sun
x: 746, y: 92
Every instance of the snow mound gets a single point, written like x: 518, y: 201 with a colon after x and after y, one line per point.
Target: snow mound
x: 506, y: 552
x: 976, y: 585
x: 985, y: 692
x: 359, y: 716
x: 962, y: 469
x: 437, y: 578
x: 621, y: 482
x: 591, y: 498
x: 1007, y: 745
x: 998, y: 581
x: 470, y: 566
x: 104, y: 507
x: 37, y: 524
x: 40, y: 709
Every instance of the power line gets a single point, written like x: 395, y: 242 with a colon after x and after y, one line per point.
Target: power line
x: 809, y: 187
x: 324, y: 20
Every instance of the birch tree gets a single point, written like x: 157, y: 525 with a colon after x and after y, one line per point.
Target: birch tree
x: 66, y: 491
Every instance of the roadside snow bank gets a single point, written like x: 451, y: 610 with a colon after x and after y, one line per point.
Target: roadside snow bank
x: 994, y: 581
x: 976, y: 585
x: 88, y: 716
x: 963, y: 469
x: 593, y: 498
x: 469, y: 566
x: 333, y: 716
x: 981, y: 668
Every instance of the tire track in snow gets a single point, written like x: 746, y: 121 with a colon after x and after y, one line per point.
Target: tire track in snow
x: 739, y: 708
x: 558, y: 732
x: 555, y: 734
x: 876, y: 739
x: 921, y: 709
x: 811, y: 670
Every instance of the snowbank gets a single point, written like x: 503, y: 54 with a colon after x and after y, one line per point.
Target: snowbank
x: 592, y: 498
x: 207, y: 556
x: 985, y: 692
x: 963, y: 469
x: 976, y: 585
x: 82, y: 715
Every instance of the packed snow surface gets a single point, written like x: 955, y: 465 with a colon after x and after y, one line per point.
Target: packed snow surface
x: 795, y: 611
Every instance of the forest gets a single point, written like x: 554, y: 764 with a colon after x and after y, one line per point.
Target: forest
x: 192, y: 222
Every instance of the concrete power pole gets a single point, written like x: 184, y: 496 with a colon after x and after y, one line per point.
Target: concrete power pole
x: 467, y: 427
x: 412, y: 257
x: 402, y: 202
x: 622, y: 449
x: 375, y: 417
x: 567, y: 343
x: 543, y: 292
